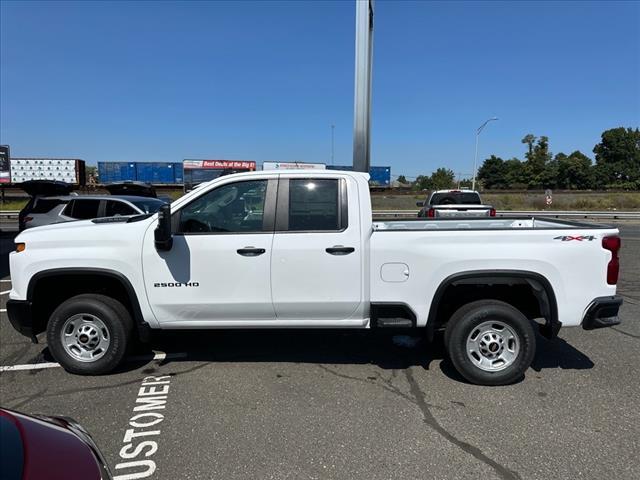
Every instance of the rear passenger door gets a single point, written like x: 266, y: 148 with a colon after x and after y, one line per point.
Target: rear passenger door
x: 115, y: 208
x: 316, y: 262
x: 82, y: 209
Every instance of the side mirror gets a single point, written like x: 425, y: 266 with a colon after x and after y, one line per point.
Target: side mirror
x: 162, y: 233
x: 419, y: 204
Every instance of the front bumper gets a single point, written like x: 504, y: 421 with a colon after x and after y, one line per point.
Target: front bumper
x: 603, y: 312
x: 21, y: 317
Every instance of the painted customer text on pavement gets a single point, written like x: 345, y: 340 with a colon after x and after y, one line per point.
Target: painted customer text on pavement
x: 140, y: 440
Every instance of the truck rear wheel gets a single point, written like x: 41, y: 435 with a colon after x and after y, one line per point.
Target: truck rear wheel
x: 490, y: 342
x: 89, y: 334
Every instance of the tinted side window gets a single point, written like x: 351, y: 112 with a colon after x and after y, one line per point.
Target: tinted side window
x: 233, y: 208
x: 44, y: 205
x: 314, y: 204
x: 85, y: 209
x: 68, y: 209
x: 118, y: 208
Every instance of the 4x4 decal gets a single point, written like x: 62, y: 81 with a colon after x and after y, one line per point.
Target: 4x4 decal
x: 579, y: 238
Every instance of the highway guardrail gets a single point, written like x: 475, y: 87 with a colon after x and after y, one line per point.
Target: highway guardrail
x: 10, y: 214
x: 529, y: 213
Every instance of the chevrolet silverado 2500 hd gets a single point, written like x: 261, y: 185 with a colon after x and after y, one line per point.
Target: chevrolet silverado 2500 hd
x: 300, y: 249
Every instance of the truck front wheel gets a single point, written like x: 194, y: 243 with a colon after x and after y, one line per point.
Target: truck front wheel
x: 490, y: 342
x: 89, y: 334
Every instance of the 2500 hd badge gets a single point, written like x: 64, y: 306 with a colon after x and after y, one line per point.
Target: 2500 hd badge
x: 176, y: 284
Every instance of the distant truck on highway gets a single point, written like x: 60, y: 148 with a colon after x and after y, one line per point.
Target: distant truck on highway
x: 299, y: 249
x: 454, y: 203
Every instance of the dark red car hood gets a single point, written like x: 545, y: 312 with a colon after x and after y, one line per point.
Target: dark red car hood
x: 51, y: 451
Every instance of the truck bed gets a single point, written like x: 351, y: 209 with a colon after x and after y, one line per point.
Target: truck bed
x: 493, y: 223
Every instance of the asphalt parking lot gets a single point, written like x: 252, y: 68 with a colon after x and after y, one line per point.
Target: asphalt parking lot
x: 306, y: 405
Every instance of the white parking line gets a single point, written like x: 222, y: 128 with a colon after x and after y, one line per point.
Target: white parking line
x: 5, y: 292
x: 3, y: 310
x: 39, y: 366
x: 6, y: 281
x: 29, y: 366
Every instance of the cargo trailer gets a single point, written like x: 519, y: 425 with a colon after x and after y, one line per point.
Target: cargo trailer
x: 156, y: 173
x: 67, y: 170
x: 111, y: 172
x: 379, y: 177
x: 199, y: 171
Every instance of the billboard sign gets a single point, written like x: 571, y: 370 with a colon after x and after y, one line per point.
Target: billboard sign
x: 219, y: 164
x: 5, y: 169
x: 293, y: 166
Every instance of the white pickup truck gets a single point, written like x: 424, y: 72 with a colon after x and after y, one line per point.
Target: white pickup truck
x: 299, y: 249
x: 454, y: 203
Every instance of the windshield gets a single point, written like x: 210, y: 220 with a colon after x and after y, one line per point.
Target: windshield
x: 455, y: 198
x: 149, y: 205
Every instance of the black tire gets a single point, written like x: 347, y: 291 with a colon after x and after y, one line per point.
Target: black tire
x: 111, y: 313
x: 472, y: 315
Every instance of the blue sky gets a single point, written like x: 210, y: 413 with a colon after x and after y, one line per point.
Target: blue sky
x: 163, y: 81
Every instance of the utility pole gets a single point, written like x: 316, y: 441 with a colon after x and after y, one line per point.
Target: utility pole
x: 475, y: 159
x: 333, y: 127
x: 362, y: 97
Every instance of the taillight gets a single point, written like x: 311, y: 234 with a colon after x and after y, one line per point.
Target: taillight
x: 28, y: 219
x: 431, y: 213
x: 612, y: 244
x: 492, y: 212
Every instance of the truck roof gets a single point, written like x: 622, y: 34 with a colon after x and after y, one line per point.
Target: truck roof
x: 458, y: 190
x: 295, y: 171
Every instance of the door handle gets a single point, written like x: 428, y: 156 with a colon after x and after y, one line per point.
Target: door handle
x: 340, y: 250
x: 250, y: 251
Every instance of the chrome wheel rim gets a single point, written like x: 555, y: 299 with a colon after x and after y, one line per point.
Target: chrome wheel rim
x: 85, y: 337
x: 493, y: 346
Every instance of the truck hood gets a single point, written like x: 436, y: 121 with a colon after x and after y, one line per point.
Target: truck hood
x: 77, y: 228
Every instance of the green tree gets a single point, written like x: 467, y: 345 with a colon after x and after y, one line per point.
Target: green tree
x: 536, y: 172
x: 618, y: 159
x: 540, y: 173
x: 91, y: 171
x: 529, y: 139
x: 442, y: 178
x: 515, y: 175
x: 422, y: 182
x: 492, y: 173
x: 548, y: 178
x: 575, y: 172
x: 402, y: 179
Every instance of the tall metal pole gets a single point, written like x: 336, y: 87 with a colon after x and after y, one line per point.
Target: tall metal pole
x: 362, y: 98
x: 333, y: 127
x: 475, y: 158
x: 475, y: 163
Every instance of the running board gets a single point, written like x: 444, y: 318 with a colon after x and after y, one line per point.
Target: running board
x: 394, y: 323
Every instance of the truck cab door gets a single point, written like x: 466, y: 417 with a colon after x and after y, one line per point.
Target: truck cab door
x: 317, y: 259
x: 218, y: 267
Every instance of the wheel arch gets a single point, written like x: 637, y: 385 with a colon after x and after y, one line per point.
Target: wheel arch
x: 541, y: 289
x: 94, y: 275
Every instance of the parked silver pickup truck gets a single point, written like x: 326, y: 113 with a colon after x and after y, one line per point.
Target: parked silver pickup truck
x: 454, y: 203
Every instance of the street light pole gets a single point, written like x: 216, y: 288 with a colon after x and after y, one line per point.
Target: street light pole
x: 475, y: 158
